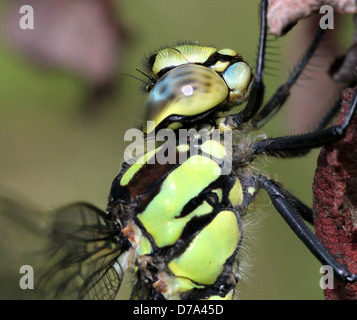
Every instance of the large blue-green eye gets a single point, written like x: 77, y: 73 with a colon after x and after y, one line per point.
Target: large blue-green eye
x: 187, y: 90
x: 238, y: 78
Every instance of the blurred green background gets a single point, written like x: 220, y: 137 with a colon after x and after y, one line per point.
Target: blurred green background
x: 52, y: 155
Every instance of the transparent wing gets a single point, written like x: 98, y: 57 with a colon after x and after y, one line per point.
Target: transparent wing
x: 83, y: 257
x: 77, y: 255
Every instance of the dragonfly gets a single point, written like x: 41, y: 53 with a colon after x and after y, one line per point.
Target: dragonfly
x: 178, y: 226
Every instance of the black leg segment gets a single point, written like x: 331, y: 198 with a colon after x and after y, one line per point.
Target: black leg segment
x: 291, y: 146
x: 282, y: 93
x: 289, y: 213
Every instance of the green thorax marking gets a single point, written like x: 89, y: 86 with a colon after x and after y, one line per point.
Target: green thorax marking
x: 160, y: 218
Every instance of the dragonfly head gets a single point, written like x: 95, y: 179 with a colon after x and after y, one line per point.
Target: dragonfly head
x: 193, y: 82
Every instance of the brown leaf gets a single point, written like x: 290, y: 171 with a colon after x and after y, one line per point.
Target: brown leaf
x: 284, y: 13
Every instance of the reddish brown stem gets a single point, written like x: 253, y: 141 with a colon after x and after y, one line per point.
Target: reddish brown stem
x: 335, y: 202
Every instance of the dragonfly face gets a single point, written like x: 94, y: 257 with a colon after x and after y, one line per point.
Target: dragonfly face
x: 192, y: 83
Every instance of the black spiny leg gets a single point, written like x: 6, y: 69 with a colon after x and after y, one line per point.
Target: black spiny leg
x: 289, y: 213
x: 301, y: 208
x: 256, y: 96
x: 282, y: 93
x: 291, y: 146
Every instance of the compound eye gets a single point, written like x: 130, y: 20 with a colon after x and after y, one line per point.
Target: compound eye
x: 238, y: 77
x: 184, y: 91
